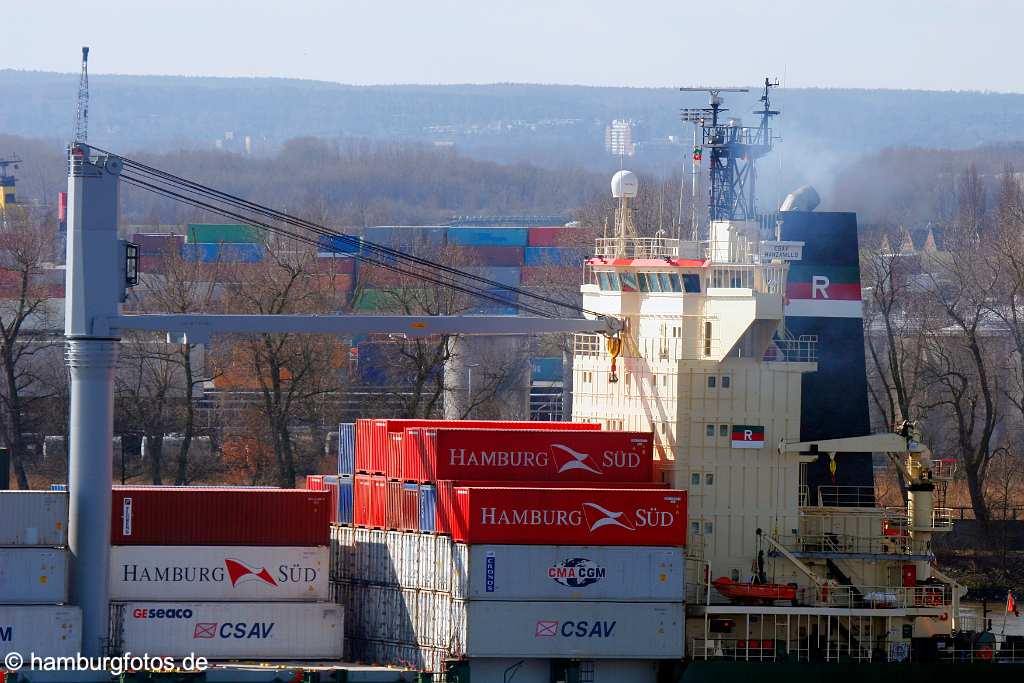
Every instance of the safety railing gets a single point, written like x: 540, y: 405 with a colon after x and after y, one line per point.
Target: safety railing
x: 774, y: 650
x: 846, y: 496
x: 803, y: 495
x: 874, y: 597
x: 944, y: 469
x: 588, y: 345
x: 942, y: 518
x: 802, y: 349
x: 819, y: 541
x: 648, y: 247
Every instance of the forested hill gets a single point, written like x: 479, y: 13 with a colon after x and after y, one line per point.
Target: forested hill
x: 504, y: 122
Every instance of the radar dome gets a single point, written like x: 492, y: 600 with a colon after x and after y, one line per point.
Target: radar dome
x: 625, y: 184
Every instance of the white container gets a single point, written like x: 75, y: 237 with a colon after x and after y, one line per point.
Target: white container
x: 43, y: 630
x: 33, y: 576
x: 34, y: 518
x: 234, y: 630
x: 592, y: 630
x: 587, y: 573
x: 207, y: 573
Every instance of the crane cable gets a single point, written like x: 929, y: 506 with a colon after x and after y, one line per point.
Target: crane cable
x: 136, y: 182
x: 361, y: 244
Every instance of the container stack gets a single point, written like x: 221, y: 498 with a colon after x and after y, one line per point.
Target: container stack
x: 223, y: 572
x: 34, y: 614
x: 518, y: 524
x: 223, y: 243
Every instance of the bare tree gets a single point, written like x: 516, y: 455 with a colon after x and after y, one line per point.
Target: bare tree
x: 27, y: 322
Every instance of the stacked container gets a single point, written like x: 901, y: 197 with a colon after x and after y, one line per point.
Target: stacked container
x: 34, y: 614
x: 223, y: 243
x: 223, y: 572
x: 559, y: 525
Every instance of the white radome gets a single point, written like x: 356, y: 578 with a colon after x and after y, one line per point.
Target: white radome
x: 625, y: 184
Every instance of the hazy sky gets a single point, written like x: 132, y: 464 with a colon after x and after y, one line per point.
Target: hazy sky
x: 930, y: 44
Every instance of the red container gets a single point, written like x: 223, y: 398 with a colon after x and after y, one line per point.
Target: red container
x: 553, y: 236
x: 393, y: 506
x: 328, y: 483
x: 393, y: 456
x: 201, y: 515
x: 535, y: 455
x: 419, y: 444
x: 446, y: 515
x: 561, y: 516
x: 410, y: 515
x: 362, y: 500
x: 335, y: 265
x: 62, y: 207
x: 371, y: 444
x: 378, y: 502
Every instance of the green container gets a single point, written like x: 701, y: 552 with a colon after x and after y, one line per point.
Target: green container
x: 215, y: 233
x: 390, y: 299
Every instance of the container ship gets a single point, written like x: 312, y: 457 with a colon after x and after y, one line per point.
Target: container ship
x: 708, y: 512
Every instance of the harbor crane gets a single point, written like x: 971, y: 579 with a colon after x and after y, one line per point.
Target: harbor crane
x: 82, y: 108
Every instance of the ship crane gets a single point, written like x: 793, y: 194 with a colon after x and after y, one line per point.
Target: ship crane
x: 100, y: 268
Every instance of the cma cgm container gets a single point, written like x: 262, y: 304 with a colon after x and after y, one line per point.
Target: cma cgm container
x: 569, y: 572
x: 33, y: 518
x: 232, y: 630
x: 43, y: 630
x: 419, y: 441
x: 541, y: 516
x: 199, y: 515
x: 527, y: 455
x: 33, y: 575
x: 176, y: 572
x: 595, y: 630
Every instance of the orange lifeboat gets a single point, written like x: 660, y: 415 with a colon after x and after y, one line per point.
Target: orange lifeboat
x: 754, y: 593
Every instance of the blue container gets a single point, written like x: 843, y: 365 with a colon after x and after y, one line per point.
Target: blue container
x: 337, y: 245
x: 207, y: 252
x: 347, y: 448
x: 488, y: 237
x: 428, y: 507
x: 488, y: 307
x: 345, y: 488
x: 58, y: 487
x: 501, y: 274
x: 405, y: 236
x: 553, y: 256
x: 547, y: 369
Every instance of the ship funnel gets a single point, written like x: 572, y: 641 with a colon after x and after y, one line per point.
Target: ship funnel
x: 801, y: 199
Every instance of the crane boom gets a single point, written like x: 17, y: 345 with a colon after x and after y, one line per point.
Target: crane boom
x: 82, y: 108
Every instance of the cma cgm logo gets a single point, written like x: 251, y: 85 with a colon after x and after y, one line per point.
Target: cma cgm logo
x: 577, y: 572
x: 574, y: 629
x: 260, y: 630
x: 562, y: 458
x: 6, y: 634
x: 592, y: 515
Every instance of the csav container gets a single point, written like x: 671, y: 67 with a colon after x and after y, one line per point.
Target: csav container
x: 33, y: 575
x: 198, y: 515
x: 428, y: 508
x: 140, y: 572
x: 346, y: 492
x: 542, y: 516
x: 346, y: 448
x: 571, y: 572
x: 419, y: 440
x: 594, y: 630
x: 528, y: 455
x: 42, y: 630
x: 33, y: 518
x: 232, y: 630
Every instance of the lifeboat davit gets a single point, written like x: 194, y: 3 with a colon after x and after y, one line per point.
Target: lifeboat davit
x: 754, y: 593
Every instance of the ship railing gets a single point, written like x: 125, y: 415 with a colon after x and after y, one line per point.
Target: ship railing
x: 1007, y: 652
x: 874, y: 597
x: 649, y: 247
x: 829, y: 542
x: 776, y: 650
x: 846, y: 496
x: 802, y: 349
x: 588, y: 345
x: 944, y: 469
x: 942, y: 518
x: 803, y: 495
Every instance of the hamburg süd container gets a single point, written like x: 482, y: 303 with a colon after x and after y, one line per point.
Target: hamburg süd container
x: 229, y: 630
x: 420, y: 452
x: 43, y: 630
x: 33, y: 575
x: 529, y: 455
x: 33, y: 518
x: 557, y: 516
x: 215, y: 573
x: 199, y: 515
x: 572, y: 572
x: 595, y: 630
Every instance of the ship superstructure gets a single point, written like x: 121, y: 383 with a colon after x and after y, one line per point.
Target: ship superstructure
x: 778, y: 569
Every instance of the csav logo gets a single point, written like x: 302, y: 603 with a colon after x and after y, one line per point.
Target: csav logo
x: 261, y: 630
x: 576, y: 572
x: 239, y: 572
x: 574, y: 629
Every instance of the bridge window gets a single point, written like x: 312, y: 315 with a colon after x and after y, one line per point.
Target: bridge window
x: 628, y: 282
x: 641, y: 279
x: 613, y: 281
x: 691, y: 283
x: 602, y: 281
x: 656, y: 283
x: 669, y: 282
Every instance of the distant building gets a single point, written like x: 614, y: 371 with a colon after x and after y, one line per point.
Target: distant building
x: 618, y: 137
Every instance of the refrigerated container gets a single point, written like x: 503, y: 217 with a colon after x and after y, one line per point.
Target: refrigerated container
x: 577, y: 516
x: 393, y: 506
x: 592, y: 630
x: 539, y: 455
x: 43, y: 630
x: 409, y: 517
x: 570, y: 572
x: 33, y: 575
x: 212, y: 573
x: 232, y: 630
x: 34, y: 518
x: 200, y: 515
x: 379, y: 502
x: 362, y: 500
